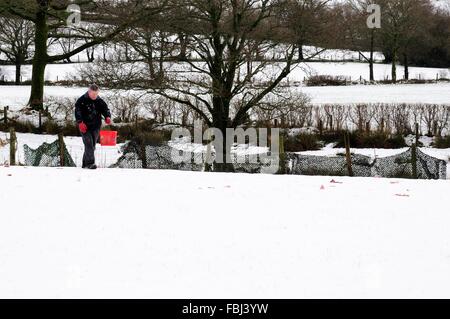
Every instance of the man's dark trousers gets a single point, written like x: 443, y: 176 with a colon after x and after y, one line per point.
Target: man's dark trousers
x: 90, y: 139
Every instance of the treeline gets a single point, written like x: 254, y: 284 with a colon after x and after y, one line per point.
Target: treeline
x: 413, y: 32
x: 206, y: 54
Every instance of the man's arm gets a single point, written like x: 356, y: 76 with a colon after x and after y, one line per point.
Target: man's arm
x: 78, y: 116
x: 105, y: 110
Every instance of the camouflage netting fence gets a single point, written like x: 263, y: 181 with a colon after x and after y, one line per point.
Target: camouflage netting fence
x: 48, y: 154
x: 399, y: 165
x: 161, y: 157
x: 326, y: 165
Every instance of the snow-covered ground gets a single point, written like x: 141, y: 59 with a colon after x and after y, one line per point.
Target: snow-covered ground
x: 171, y: 234
x: 17, y: 96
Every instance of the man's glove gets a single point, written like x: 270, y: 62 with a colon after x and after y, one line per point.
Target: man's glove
x: 108, y: 120
x: 83, y: 127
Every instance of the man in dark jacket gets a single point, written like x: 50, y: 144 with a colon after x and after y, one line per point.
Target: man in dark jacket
x: 89, y: 110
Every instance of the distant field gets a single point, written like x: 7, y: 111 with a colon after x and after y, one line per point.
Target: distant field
x: 353, y: 70
x: 17, y: 96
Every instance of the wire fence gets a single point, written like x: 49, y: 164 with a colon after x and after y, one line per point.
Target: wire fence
x: 412, y: 163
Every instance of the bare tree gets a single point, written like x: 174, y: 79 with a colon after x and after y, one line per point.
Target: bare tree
x: 16, y: 39
x: 305, y: 22
x: 356, y: 34
x: 219, y: 84
x: 50, y: 19
x: 400, y: 19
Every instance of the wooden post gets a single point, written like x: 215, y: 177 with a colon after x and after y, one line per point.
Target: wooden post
x: 61, y: 149
x: 320, y: 127
x: 417, y: 133
x: 348, y: 155
x: 414, y: 161
x: 144, y: 154
x: 40, y: 121
x: 12, y: 146
x: 282, y: 156
x: 5, y: 114
x: 208, y: 157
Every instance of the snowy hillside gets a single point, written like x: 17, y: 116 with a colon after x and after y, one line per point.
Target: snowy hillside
x: 194, y: 235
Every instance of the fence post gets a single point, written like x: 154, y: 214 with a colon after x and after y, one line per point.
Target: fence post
x: 61, y: 149
x: 348, y: 155
x: 40, y: 120
x: 417, y: 133
x: 320, y: 127
x: 12, y: 146
x: 208, y: 165
x: 144, y: 154
x: 5, y: 114
x: 414, y: 160
x: 282, y: 156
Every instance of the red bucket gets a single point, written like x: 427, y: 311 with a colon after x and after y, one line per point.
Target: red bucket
x: 108, y: 138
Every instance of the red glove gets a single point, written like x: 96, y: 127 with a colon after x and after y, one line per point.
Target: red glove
x: 83, y: 127
x: 108, y: 120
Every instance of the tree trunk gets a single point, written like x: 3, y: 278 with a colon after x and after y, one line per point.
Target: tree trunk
x: 405, y: 62
x: 225, y: 166
x: 221, y: 122
x: 394, y: 67
x: 371, y: 75
x: 300, y: 52
x: 183, y: 46
x: 39, y: 61
x: 18, y: 72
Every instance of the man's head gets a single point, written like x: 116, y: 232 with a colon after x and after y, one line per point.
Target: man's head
x: 93, y: 91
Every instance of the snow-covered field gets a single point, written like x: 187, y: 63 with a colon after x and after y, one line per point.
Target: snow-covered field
x: 17, y: 96
x: 400, y: 93
x: 353, y: 70
x: 170, y: 234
